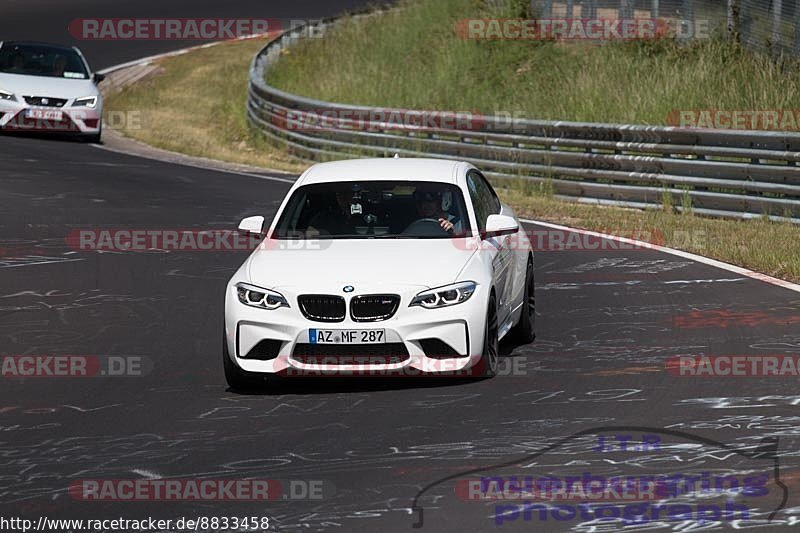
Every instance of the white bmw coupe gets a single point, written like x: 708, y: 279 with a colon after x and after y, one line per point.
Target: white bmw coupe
x: 49, y: 88
x: 380, y: 267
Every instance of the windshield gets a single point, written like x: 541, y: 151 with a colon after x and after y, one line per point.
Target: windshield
x: 374, y: 209
x: 42, y: 60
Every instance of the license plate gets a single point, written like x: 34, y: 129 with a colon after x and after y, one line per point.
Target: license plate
x: 346, y: 336
x: 44, y: 114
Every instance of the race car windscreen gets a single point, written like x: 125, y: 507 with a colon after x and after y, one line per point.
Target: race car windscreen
x: 42, y: 60
x: 374, y: 209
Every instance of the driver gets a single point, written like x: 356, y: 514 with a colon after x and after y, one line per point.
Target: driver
x: 18, y: 63
x: 59, y: 66
x: 430, y: 205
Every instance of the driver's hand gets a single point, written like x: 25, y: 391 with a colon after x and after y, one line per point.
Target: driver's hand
x: 446, y: 224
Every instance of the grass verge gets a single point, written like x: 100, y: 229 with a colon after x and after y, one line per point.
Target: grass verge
x: 206, y: 117
x: 414, y: 58
x: 195, y: 105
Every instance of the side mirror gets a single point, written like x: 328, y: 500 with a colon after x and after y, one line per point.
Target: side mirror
x: 252, y: 226
x: 97, y: 77
x: 497, y: 225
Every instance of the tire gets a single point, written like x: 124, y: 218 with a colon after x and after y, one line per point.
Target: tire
x: 238, y: 380
x: 94, y: 138
x: 490, y: 358
x: 525, y: 330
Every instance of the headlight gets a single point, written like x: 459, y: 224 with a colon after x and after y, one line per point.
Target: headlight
x: 86, y: 101
x: 444, y: 296
x: 5, y: 95
x: 259, y: 297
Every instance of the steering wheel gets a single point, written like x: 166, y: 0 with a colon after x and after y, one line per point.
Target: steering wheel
x: 425, y: 227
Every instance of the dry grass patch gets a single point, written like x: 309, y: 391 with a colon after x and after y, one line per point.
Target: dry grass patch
x: 195, y: 105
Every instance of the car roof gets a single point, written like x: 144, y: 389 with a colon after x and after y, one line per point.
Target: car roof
x: 38, y: 45
x: 388, y: 168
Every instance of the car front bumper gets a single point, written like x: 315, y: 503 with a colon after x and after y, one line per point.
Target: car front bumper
x: 79, y: 120
x: 408, y: 335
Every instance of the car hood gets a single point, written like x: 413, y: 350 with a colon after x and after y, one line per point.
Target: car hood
x: 43, y: 86
x: 334, y: 263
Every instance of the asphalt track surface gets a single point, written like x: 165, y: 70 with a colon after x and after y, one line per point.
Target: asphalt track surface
x: 607, y: 321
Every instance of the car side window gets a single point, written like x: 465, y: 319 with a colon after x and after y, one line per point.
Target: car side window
x: 484, y: 200
x: 494, y: 201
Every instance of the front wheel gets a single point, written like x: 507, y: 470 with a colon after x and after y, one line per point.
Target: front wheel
x: 524, y: 330
x: 487, y: 366
x: 238, y: 380
x: 93, y: 138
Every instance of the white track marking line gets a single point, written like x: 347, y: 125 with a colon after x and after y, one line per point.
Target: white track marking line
x: 148, y: 59
x: 147, y: 474
x: 197, y: 165
x: 680, y: 253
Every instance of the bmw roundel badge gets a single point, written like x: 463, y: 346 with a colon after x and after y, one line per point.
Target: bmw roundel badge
x: 348, y: 288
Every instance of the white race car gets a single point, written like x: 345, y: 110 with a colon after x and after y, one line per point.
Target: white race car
x: 49, y: 88
x: 380, y: 267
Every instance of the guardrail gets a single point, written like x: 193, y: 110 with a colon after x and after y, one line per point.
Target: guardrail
x: 724, y: 173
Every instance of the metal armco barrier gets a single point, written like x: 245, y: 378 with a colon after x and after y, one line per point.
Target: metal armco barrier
x: 725, y: 173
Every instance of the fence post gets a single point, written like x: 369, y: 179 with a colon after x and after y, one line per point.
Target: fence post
x: 688, y: 29
x: 797, y: 29
x: 589, y: 9
x: 745, y: 22
x: 547, y: 9
x: 570, y: 9
x: 733, y: 19
x: 654, y: 8
x: 777, y: 7
x: 625, y: 10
